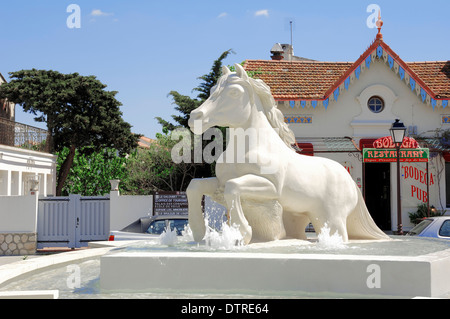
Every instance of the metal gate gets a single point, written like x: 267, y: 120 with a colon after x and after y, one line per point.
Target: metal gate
x: 72, y: 221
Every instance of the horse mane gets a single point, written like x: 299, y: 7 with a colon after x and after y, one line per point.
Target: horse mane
x: 273, y: 114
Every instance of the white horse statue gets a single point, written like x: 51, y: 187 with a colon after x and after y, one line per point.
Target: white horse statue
x: 271, y: 192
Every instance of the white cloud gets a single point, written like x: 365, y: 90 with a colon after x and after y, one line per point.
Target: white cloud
x: 222, y: 15
x: 264, y: 12
x: 100, y: 13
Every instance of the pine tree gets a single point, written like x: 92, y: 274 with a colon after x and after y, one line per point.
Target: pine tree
x: 185, y: 104
x: 80, y: 114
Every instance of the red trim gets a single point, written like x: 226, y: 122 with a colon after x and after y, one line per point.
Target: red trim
x: 395, y: 56
x: 366, y: 143
x: 358, y: 62
x: 446, y: 156
x: 307, y: 149
x: 407, y: 69
x: 377, y: 42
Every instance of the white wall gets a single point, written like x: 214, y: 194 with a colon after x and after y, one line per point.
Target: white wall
x: 341, y: 117
x: 18, y: 165
x: 127, y: 209
x: 18, y: 214
x: 350, y: 116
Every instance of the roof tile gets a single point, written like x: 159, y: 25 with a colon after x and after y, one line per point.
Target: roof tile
x: 309, y: 80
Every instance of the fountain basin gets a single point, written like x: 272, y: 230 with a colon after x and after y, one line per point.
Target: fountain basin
x: 202, y: 271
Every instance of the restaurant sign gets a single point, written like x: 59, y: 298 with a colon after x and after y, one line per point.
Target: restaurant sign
x: 386, y: 142
x: 411, y: 155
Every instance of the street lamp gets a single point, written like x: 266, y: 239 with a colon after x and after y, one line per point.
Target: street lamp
x: 398, y: 130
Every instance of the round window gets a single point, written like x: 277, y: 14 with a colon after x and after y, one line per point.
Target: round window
x: 376, y: 104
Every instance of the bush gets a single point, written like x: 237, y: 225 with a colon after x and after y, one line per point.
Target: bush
x: 421, y: 213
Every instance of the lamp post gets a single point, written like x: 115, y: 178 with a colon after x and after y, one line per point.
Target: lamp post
x: 398, y: 130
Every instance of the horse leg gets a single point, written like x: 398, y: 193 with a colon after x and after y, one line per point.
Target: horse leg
x: 195, y: 191
x: 295, y: 224
x: 250, y: 187
x: 334, y: 223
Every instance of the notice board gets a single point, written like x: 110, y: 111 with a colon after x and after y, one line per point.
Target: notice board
x: 170, y: 203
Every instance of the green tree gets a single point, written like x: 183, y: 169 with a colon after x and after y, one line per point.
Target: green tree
x: 90, y: 174
x: 185, y: 104
x: 80, y: 114
x: 150, y: 170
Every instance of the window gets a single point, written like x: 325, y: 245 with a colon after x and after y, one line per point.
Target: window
x: 157, y: 227
x: 376, y: 104
x: 445, y: 229
x: 420, y: 227
x: 178, y: 224
x: 447, y: 182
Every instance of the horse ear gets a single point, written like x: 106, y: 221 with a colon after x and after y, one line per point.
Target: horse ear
x: 225, y: 70
x: 241, y: 72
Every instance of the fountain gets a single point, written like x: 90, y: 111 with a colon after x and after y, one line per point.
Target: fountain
x: 57, y: 276
x: 402, y: 267
x: 271, y: 194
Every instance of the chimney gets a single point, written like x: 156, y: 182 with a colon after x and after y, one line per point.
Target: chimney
x: 288, y: 51
x: 277, y: 52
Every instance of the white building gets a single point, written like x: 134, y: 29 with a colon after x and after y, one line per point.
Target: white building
x: 23, y: 160
x: 336, y: 109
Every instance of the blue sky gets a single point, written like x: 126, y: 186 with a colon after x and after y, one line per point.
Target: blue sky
x: 145, y: 49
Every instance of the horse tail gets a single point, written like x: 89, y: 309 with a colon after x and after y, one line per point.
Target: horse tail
x: 360, y: 224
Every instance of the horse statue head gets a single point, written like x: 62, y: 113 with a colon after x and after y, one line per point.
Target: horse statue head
x: 232, y: 102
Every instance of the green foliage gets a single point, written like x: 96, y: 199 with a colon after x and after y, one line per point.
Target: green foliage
x: 80, y: 114
x: 78, y: 110
x: 171, y: 176
x: 252, y: 74
x: 90, y: 173
x: 421, y: 213
x: 185, y: 104
x: 150, y: 170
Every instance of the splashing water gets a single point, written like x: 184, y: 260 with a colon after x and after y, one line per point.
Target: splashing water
x: 327, y: 241
x: 220, y: 235
x: 168, y: 237
x: 227, y: 238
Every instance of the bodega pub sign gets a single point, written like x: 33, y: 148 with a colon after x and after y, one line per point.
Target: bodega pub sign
x: 384, y: 152
x: 377, y: 155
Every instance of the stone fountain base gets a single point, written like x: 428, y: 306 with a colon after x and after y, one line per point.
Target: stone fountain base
x: 275, y: 273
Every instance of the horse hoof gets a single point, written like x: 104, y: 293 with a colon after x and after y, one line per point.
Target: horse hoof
x: 247, y: 236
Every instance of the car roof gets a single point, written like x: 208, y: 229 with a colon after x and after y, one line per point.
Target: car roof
x: 144, y: 222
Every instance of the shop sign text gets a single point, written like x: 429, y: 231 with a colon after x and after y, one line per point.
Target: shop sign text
x: 386, y: 142
x: 376, y: 155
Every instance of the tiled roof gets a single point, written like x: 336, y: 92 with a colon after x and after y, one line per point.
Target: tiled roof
x: 145, y: 142
x: 297, y: 79
x: 435, y: 74
x: 313, y: 80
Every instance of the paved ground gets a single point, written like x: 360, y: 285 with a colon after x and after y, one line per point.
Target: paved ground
x: 12, y: 259
x: 4, y: 260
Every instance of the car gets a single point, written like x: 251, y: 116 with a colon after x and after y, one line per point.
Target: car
x: 435, y: 227
x: 150, y: 227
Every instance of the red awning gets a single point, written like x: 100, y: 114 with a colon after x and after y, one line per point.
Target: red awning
x: 446, y: 156
x: 306, y: 149
x: 366, y: 143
